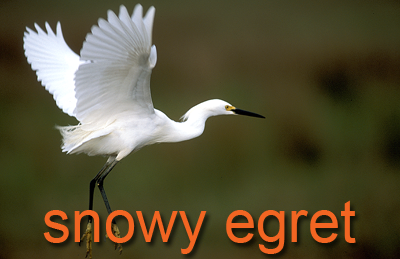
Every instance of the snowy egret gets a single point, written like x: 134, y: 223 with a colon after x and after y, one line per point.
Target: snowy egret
x: 107, y: 89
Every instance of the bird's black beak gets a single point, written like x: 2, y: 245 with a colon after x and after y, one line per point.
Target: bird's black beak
x: 243, y: 112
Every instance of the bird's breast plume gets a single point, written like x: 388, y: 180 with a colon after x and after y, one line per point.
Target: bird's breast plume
x: 192, y: 112
x: 189, y: 114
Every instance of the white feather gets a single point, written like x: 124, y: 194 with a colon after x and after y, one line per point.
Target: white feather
x: 55, y: 64
x: 117, y: 77
x: 112, y: 76
x: 107, y: 88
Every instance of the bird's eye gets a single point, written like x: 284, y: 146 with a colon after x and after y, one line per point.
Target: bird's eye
x: 229, y: 108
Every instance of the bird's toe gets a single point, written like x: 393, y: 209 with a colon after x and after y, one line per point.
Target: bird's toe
x: 88, y: 236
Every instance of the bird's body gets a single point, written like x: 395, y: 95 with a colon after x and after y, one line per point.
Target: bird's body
x: 107, y: 89
x: 127, y: 133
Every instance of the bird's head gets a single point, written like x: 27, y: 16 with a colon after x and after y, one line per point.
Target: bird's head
x: 216, y: 107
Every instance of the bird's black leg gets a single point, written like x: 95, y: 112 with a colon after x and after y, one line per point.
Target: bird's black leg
x: 103, y: 194
x: 92, y: 185
x: 108, y: 166
x: 100, y: 181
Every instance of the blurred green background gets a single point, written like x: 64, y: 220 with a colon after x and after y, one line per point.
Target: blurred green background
x: 326, y: 74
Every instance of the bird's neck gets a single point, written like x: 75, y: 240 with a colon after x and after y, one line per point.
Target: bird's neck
x: 192, y: 127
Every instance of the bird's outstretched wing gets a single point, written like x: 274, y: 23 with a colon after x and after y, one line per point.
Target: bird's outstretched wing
x: 55, y: 64
x: 115, y: 77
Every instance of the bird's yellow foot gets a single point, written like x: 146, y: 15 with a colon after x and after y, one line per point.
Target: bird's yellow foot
x: 116, y: 233
x: 88, y: 236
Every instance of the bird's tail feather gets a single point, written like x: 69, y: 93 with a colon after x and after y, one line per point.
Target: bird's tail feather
x: 72, y: 137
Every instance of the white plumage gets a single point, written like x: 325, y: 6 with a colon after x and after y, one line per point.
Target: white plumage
x: 55, y: 64
x: 107, y: 89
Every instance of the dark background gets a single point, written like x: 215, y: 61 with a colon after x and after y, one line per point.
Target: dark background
x: 325, y: 74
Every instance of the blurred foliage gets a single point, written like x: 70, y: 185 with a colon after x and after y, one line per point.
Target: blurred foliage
x: 326, y: 74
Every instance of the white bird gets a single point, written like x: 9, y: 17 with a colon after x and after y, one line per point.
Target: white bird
x: 107, y: 89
